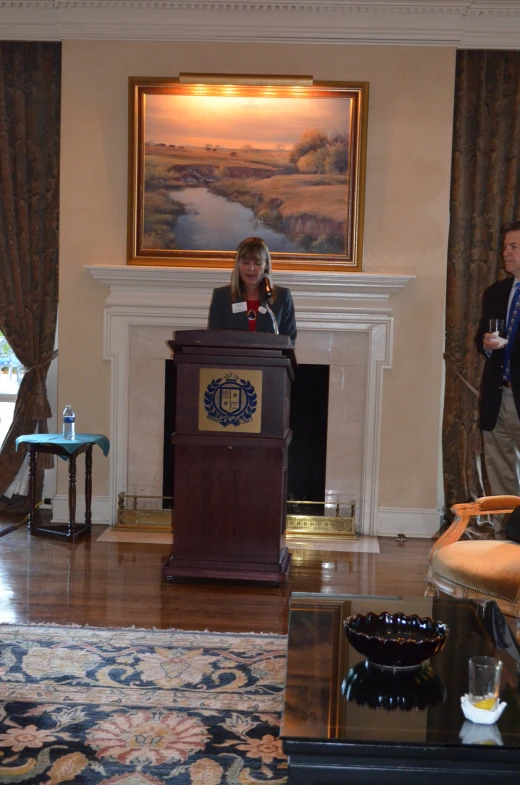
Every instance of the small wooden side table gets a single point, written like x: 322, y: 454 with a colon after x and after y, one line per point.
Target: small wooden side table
x: 68, y: 449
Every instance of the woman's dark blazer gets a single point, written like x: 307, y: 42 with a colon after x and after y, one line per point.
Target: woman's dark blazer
x: 221, y: 316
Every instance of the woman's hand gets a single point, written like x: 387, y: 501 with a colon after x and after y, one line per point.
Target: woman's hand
x: 490, y: 342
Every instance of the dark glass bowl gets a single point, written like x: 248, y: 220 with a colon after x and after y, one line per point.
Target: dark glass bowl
x: 395, y: 641
x: 406, y: 690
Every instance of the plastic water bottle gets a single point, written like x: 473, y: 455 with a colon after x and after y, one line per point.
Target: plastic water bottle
x: 69, y: 423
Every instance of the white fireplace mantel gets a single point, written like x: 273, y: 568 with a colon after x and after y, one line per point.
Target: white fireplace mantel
x: 178, y: 298
x: 141, y: 287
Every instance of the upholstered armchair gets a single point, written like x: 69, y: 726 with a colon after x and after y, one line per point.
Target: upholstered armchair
x: 478, y: 569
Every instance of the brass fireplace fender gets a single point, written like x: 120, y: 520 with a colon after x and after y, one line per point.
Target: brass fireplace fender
x: 297, y: 526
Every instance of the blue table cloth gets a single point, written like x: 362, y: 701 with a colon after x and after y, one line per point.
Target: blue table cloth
x: 70, y: 445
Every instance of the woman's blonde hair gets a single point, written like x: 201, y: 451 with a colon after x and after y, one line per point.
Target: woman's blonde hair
x: 256, y: 249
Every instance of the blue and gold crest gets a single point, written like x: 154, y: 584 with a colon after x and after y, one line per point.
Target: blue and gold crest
x: 230, y: 400
x: 230, y: 397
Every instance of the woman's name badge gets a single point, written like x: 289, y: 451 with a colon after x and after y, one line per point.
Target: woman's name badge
x: 262, y: 309
x: 239, y: 307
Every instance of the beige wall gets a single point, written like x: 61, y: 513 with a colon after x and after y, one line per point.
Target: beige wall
x: 406, y: 219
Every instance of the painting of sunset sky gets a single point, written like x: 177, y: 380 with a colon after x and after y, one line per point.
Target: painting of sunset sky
x: 221, y: 168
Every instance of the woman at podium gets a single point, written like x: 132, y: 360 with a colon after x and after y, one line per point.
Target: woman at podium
x: 251, y: 301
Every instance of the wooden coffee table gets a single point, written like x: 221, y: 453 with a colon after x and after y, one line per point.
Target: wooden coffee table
x: 343, y: 723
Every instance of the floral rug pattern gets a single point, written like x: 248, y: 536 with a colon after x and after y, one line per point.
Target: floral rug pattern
x: 137, y: 707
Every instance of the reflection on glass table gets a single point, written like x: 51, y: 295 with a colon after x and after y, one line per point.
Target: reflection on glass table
x: 343, y: 715
x: 370, y: 686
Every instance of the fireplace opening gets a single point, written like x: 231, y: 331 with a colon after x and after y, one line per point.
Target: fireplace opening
x: 307, y: 451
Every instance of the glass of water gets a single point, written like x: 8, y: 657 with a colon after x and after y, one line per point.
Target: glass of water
x: 497, y: 326
x: 484, y: 682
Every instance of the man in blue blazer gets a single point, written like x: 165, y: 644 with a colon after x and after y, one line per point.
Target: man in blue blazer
x: 500, y: 390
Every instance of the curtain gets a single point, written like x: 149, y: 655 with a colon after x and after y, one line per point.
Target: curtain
x: 30, y: 74
x: 485, y: 193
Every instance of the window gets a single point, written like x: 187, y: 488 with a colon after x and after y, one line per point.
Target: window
x: 11, y: 374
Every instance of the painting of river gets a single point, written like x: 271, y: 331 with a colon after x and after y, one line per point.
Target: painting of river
x: 218, y: 168
x: 212, y: 221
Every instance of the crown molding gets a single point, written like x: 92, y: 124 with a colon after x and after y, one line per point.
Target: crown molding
x: 465, y: 24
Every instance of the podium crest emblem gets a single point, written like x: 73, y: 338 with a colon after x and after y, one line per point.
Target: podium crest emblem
x: 230, y: 400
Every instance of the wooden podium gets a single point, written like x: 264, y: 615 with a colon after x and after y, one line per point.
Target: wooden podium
x: 231, y: 443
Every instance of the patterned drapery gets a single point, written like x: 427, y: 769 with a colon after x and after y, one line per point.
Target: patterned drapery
x: 485, y: 193
x: 30, y: 90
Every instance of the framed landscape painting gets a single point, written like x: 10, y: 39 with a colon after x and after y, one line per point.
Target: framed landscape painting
x: 211, y: 164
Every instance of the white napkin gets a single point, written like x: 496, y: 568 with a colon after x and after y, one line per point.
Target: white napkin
x: 481, y: 716
x: 501, y: 341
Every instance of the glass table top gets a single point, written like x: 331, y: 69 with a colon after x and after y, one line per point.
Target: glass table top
x: 333, y: 695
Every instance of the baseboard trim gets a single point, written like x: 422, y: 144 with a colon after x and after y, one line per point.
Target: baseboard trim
x: 101, y: 512
x: 412, y: 521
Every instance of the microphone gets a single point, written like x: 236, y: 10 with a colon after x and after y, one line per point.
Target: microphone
x: 267, y: 297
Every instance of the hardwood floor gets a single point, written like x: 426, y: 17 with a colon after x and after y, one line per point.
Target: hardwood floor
x: 108, y: 584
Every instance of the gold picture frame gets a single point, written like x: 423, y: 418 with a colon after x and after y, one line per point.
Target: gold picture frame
x: 214, y: 159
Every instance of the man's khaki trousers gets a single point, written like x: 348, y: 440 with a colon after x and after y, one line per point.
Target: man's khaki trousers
x: 502, y: 451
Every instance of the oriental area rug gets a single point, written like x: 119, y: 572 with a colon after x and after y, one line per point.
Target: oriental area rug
x: 140, y: 707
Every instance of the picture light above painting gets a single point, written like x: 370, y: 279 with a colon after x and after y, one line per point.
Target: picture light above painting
x: 217, y: 158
